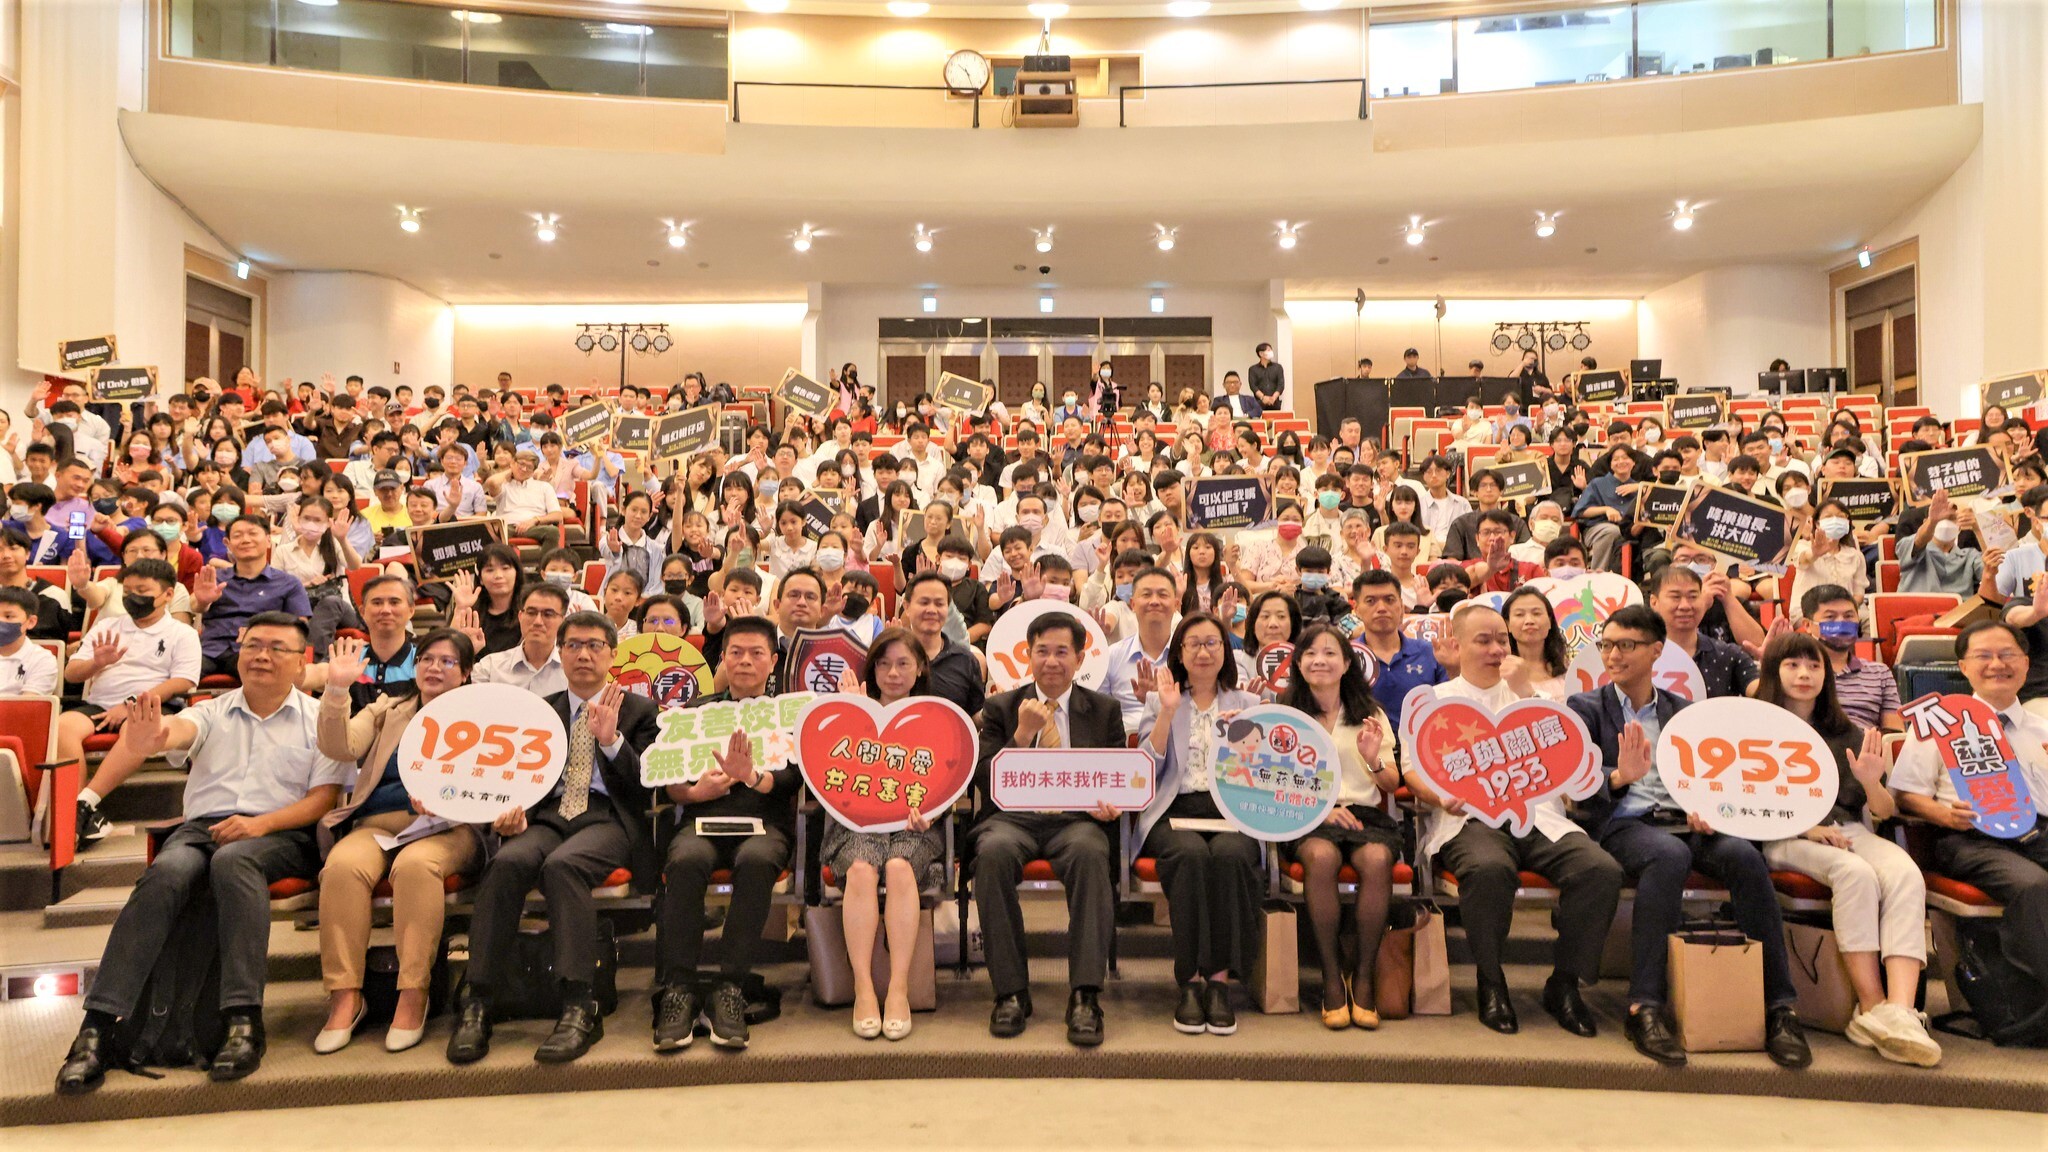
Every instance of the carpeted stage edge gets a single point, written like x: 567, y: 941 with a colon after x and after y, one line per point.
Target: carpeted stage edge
x: 810, y: 1043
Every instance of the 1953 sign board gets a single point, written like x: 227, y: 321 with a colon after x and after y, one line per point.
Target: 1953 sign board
x: 1959, y: 472
x: 439, y: 551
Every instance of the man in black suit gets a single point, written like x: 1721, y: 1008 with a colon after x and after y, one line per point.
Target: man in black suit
x: 735, y: 790
x: 1658, y: 845
x: 1049, y: 712
x: 869, y: 510
x: 593, y: 822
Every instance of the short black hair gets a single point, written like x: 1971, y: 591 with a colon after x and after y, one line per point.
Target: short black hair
x: 277, y: 620
x: 753, y: 626
x: 1821, y: 594
x: 157, y: 570
x: 543, y: 588
x: 1638, y: 618
x: 1056, y: 622
x: 587, y: 619
x: 22, y: 598
x: 1970, y: 633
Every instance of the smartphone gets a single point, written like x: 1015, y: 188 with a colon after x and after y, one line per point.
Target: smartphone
x: 77, y: 528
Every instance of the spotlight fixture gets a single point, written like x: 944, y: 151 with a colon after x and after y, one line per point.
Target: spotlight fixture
x: 408, y: 219
x: 1413, y: 232
x: 1047, y: 11
x: 768, y: 5
x: 1502, y: 341
x: 1186, y: 8
x: 1158, y: 303
x: 1581, y: 341
x: 1045, y: 303
x: 908, y: 8
x: 544, y: 227
x: 608, y: 342
x: 1290, y: 234
x: 1555, y: 342
x: 585, y: 342
x: 241, y: 269
x: 802, y: 239
x: 1546, y: 225
x: 1863, y: 257
x: 1526, y: 341
x: 1681, y: 220
x: 1044, y: 239
x: 924, y: 239
x: 1166, y: 237
x: 931, y: 303
x: 678, y: 234
x: 640, y: 341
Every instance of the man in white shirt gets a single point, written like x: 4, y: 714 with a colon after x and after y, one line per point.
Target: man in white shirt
x: 2012, y: 871
x: 1486, y: 860
x: 1440, y: 505
x: 529, y: 506
x: 535, y: 665
x: 1155, y: 600
x: 90, y: 437
x: 26, y: 667
x: 256, y: 783
x: 929, y: 463
x: 459, y: 497
x: 142, y: 651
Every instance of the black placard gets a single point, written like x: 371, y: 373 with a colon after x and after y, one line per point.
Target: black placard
x: 1522, y: 480
x: 805, y: 395
x: 2014, y: 391
x: 136, y: 383
x: 681, y: 433
x: 1659, y: 505
x: 1735, y: 527
x: 1602, y: 387
x: 439, y: 551
x: 1959, y: 472
x: 587, y: 423
x: 817, y: 518
x: 1226, y: 502
x: 964, y: 395
x: 73, y: 355
x: 1694, y: 411
x: 632, y: 433
x: 1868, y: 501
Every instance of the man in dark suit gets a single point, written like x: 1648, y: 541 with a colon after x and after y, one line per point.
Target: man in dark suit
x: 1658, y: 845
x: 1241, y: 404
x: 735, y: 790
x: 593, y: 822
x: 1049, y: 712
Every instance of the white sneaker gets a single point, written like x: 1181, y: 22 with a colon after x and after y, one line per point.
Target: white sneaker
x: 1868, y: 1029
x: 1907, y: 1042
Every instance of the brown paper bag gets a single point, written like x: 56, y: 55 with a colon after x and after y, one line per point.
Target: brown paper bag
x: 1826, y: 999
x: 832, y: 969
x: 1276, y: 968
x: 1432, y: 995
x: 1393, y: 974
x: 1717, y: 990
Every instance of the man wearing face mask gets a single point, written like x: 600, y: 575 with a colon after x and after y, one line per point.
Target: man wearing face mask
x: 969, y: 597
x: 1933, y: 559
x: 1546, y: 523
x: 1867, y: 690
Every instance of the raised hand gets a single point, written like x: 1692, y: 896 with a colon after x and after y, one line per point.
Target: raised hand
x: 738, y: 761
x: 107, y: 651
x: 1006, y: 586
x: 346, y: 660
x: 714, y: 612
x: 603, y: 711
x: 80, y: 569
x: 147, y: 732
x: 1170, y: 695
x: 1033, y: 585
x: 463, y: 589
x: 1869, y: 763
x: 205, y: 588
x: 1635, y: 755
x: 1032, y: 717
x: 1370, y: 737
x: 1226, y: 605
x: 1145, y: 678
x: 465, y: 621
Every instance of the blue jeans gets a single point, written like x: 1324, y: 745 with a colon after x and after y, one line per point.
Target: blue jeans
x: 1659, y: 862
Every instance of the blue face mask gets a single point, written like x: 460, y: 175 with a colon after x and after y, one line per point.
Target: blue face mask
x: 10, y: 631
x: 1314, y: 581
x: 1123, y: 591
x: 1237, y: 617
x: 1839, y: 633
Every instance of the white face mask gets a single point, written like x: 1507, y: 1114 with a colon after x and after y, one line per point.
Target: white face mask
x: 1566, y: 573
x: 1544, y: 531
x: 1652, y: 436
x: 953, y: 569
x: 1947, y: 531
x: 1795, y: 498
x: 1835, y: 527
x: 1031, y: 520
x: 831, y: 559
x: 1089, y: 512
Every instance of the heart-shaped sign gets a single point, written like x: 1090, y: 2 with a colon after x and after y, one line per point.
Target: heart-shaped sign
x: 870, y: 765
x: 1501, y: 764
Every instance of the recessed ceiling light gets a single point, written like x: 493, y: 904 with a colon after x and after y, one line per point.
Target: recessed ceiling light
x: 1187, y: 7
x: 768, y: 5
x: 1047, y: 12
x: 544, y: 227
x: 1290, y: 235
x: 1166, y: 237
x: 931, y: 303
x: 1045, y: 303
x: 1158, y: 302
x: 802, y: 239
x: 477, y: 17
x: 923, y: 239
x: 408, y: 218
x: 1546, y: 225
x: 1413, y: 232
x: 1681, y: 220
x: 1044, y: 239
x: 242, y: 272
x: 908, y: 8
x: 678, y: 234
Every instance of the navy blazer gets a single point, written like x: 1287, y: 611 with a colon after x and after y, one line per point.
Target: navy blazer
x: 1095, y: 720
x: 1604, y: 716
x: 639, y: 725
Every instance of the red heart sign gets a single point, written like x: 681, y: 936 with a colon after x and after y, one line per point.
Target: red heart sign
x: 870, y: 765
x: 1501, y: 764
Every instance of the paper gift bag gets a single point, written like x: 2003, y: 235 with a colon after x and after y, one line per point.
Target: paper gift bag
x: 1393, y: 975
x: 1276, y: 968
x: 1432, y: 995
x: 1717, y: 990
x: 1826, y: 999
x: 832, y: 969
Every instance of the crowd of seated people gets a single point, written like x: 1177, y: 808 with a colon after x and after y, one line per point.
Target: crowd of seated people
x: 228, y: 582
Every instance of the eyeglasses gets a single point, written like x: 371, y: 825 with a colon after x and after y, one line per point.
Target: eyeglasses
x: 277, y: 650
x: 1202, y: 645
x: 1625, y: 646
x: 540, y: 613
x: 594, y: 647
x: 436, y: 662
x: 2006, y: 656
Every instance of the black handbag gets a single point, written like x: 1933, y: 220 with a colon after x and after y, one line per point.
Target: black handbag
x: 2006, y: 1006
x: 380, y: 985
x: 530, y: 989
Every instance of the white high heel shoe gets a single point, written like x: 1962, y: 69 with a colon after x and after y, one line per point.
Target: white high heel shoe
x: 896, y: 1029
x: 867, y: 1028
x: 332, y: 1040
x: 399, y: 1039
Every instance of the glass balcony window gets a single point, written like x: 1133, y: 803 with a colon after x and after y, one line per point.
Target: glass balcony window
x: 1411, y: 59
x: 1498, y: 53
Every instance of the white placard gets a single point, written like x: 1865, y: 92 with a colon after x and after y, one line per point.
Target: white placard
x: 1748, y: 768
x: 1674, y: 672
x: 477, y: 750
x: 1070, y: 779
x: 1009, y: 653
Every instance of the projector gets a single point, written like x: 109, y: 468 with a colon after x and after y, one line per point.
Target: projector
x: 1048, y: 64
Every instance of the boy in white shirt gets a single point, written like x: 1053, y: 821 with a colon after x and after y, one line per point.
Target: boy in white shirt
x: 26, y: 667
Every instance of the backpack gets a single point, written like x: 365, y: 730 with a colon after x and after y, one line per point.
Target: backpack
x: 2006, y: 1006
x: 177, y: 1021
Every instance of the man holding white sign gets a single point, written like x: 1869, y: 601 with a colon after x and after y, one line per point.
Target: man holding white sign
x: 1051, y: 711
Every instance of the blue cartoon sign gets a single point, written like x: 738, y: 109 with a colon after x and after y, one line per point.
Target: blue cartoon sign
x: 1276, y: 773
x: 1979, y: 758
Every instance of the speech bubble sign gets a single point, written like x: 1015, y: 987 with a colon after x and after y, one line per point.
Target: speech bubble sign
x: 1276, y: 775
x: 870, y: 766
x: 1009, y: 654
x: 690, y: 738
x: 668, y: 670
x: 1674, y: 672
x: 1980, y: 761
x: 477, y: 750
x: 1584, y: 602
x: 1748, y: 768
x: 1501, y: 764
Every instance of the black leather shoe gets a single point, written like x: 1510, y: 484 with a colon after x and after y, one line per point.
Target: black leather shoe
x: 1222, y: 1021
x: 1562, y: 1000
x: 728, y: 1015
x: 1084, y: 1018
x: 85, y: 1065
x: 1496, y: 1011
x: 676, y: 1009
x: 581, y: 1026
x: 242, y: 1052
x: 1189, y: 1016
x: 1651, y: 1033
x: 1784, y: 1040
x: 471, y: 1041
x: 1008, y: 1018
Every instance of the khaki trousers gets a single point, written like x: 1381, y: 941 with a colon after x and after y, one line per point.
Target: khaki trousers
x: 418, y: 898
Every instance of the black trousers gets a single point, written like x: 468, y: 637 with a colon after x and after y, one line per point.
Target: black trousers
x: 756, y: 863
x: 1487, y: 861
x: 1212, y: 895
x: 1078, y: 849
x: 2015, y: 875
x: 565, y: 859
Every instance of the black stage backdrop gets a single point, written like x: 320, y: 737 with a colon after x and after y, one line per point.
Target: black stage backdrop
x: 1369, y: 399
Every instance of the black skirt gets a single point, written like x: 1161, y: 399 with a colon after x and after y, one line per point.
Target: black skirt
x: 1376, y: 827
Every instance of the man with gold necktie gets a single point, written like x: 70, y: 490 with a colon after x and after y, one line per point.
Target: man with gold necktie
x: 594, y: 821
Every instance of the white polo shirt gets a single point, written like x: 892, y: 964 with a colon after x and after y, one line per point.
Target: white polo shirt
x: 166, y: 650
x: 1920, y: 770
x: 31, y: 671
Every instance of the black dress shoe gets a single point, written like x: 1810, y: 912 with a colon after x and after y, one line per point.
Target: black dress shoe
x: 242, y: 1052
x: 1008, y: 1018
x: 1562, y: 1000
x: 676, y: 1009
x: 728, y: 1015
x: 86, y: 1064
x: 1190, y: 1017
x: 471, y: 1041
x: 1222, y: 1021
x: 1496, y: 1011
x: 1784, y: 1040
x: 1084, y: 1018
x: 581, y: 1026
x: 1651, y: 1033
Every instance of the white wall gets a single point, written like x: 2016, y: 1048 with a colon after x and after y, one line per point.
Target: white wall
x: 1951, y: 307
x: 353, y: 323
x: 1725, y: 325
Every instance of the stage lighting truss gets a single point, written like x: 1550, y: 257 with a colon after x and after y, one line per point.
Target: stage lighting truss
x: 1549, y: 335
x: 642, y: 338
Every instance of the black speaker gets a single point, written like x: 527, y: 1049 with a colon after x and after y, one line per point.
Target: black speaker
x: 1048, y: 64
